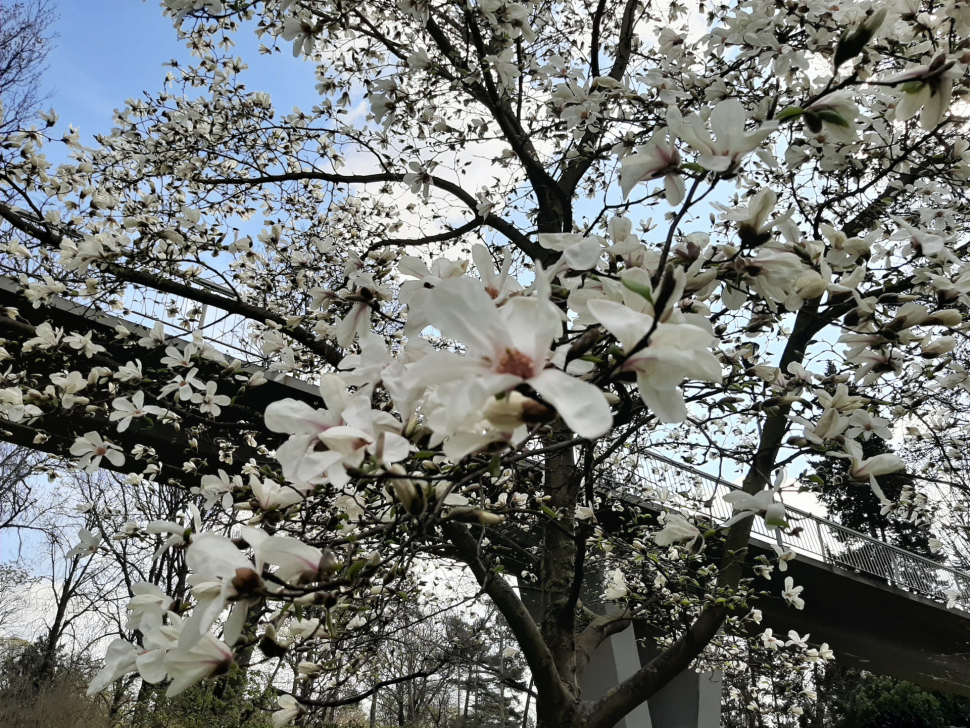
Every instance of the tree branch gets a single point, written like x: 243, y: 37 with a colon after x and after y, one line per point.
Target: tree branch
x: 534, y: 648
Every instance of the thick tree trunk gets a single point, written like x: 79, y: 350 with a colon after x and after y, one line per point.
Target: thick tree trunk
x: 559, y: 578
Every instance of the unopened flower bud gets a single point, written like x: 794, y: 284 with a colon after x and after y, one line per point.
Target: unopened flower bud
x: 468, y: 514
x: 949, y: 317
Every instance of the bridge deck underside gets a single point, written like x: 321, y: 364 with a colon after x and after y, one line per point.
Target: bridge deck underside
x: 873, y: 625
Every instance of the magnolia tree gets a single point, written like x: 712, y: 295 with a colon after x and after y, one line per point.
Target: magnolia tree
x: 515, y: 245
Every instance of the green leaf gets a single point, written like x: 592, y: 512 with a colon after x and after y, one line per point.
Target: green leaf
x: 549, y: 512
x: 355, y: 568
x: 638, y: 288
x: 693, y: 167
x: 833, y: 118
x: 790, y: 113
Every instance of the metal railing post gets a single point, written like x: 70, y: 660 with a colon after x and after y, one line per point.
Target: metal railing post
x: 822, y: 546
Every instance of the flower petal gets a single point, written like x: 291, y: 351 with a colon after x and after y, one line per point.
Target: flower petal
x: 582, y: 405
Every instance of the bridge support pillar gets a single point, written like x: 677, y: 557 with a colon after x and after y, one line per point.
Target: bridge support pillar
x: 690, y: 700
x: 613, y: 662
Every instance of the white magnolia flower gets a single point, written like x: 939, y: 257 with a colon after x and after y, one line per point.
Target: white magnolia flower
x: 119, y: 660
x: 219, y: 487
x: 147, y: 607
x: 674, y: 352
x: 927, y: 90
x: 784, y: 556
x: 210, y: 403
x: 178, y: 533
x: 578, y: 253
x: 841, y: 400
x: 864, y: 425
x: 419, y: 179
x: 505, y: 347
x: 762, y: 504
x: 130, y: 372
x: 90, y: 542
x: 289, y: 708
x: 84, y: 344
x: 791, y: 593
x: 677, y: 529
x: 770, y: 641
x: 71, y: 383
x: 127, y: 410
x: 323, y: 443
x: 754, y: 225
x: 732, y: 143
x: 834, y: 115
x: 209, y: 657
x: 220, y: 572
x: 175, y: 359
x: 13, y: 407
x: 616, y: 588
x: 182, y: 385
x: 155, y: 337
x: 90, y: 448
x: 270, y: 494
x: 497, y: 285
x: 831, y: 424
x: 952, y: 597
x: 862, y: 468
x: 297, y: 562
x: 659, y: 157
x: 46, y: 337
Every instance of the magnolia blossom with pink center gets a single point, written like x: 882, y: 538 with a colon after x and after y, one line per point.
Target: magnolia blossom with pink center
x: 659, y: 157
x: 90, y: 448
x: 505, y: 347
x: 209, y: 657
x: 297, y: 562
x: 497, y: 285
x: 219, y: 570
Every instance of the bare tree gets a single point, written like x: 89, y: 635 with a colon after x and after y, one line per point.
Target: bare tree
x: 19, y: 488
x: 26, y: 39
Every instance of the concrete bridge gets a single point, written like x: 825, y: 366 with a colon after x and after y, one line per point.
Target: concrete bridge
x: 879, y: 607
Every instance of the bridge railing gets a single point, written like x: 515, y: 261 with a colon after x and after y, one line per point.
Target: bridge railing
x: 181, y: 317
x: 681, y: 487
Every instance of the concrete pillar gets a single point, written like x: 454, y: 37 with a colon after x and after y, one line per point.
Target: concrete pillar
x: 690, y: 700
x: 614, y: 661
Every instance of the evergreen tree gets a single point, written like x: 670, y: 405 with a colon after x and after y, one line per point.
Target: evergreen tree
x: 854, y: 505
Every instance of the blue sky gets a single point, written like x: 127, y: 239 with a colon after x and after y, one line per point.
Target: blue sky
x: 110, y: 50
